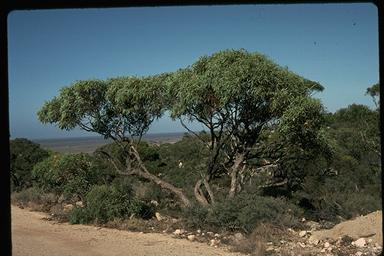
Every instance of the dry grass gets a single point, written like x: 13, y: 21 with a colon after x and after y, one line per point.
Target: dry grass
x: 255, y: 243
x: 251, y: 246
x: 140, y: 225
x: 269, y: 232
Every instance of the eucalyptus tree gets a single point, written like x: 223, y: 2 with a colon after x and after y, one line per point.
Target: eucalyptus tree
x: 121, y: 109
x: 374, y: 92
x: 237, y: 96
x: 373, y: 140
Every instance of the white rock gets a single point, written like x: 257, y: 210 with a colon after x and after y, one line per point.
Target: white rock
x: 178, y: 232
x: 239, y: 236
x: 68, y: 207
x: 79, y: 204
x: 154, y: 202
x: 370, y: 240
x: 291, y: 230
x: 191, y: 237
x: 210, y: 233
x: 302, y: 245
x: 303, y: 220
x: 313, y: 241
x: 360, y: 242
x: 270, y: 248
x: 313, y: 225
x: 322, y: 250
x: 359, y: 253
x: 302, y: 233
x: 217, y: 235
x: 198, y: 231
x: 214, y: 242
x: 326, y: 245
x: 158, y: 216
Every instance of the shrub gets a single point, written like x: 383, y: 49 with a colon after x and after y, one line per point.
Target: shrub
x: 24, y: 154
x: 71, y: 175
x: 148, y: 152
x: 244, y: 213
x: 27, y: 195
x: 35, y: 198
x: 196, y: 216
x: 79, y: 216
x: 105, y: 203
x: 343, y: 195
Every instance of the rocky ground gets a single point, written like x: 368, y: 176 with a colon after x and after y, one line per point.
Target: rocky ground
x: 360, y: 236
x: 33, y: 234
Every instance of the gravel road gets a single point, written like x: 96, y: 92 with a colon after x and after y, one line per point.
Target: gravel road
x: 33, y: 235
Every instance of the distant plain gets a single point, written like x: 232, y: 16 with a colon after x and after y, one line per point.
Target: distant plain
x: 90, y: 144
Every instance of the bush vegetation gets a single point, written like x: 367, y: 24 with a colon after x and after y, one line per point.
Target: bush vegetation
x: 71, y: 174
x: 244, y: 213
x: 270, y: 153
x: 24, y: 154
x: 105, y: 203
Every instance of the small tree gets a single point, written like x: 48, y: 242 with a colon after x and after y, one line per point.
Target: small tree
x: 24, y: 155
x: 121, y: 109
x: 374, y: 92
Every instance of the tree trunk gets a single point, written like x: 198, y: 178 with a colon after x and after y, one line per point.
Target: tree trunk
x: 165, y: 185
x: 234, y: 174
x: 200, y: 197
x: 209, y: 190
x: 199, y: 194
x: 144, y: 173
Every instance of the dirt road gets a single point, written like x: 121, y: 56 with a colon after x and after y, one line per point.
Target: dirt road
x: 32, y: 235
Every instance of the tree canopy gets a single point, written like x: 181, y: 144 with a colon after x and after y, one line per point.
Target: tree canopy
x: 237, y: 95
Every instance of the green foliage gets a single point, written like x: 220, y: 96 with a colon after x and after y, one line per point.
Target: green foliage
x: 244, y: 213
x: 374, y: 92
x: 353, y: 186
x: 231, y: 77
x: 332, y: 198
x: 238, y: 96
x: 71, y: 175
x: 24, y: 154
x: 196, y: 216
x: 68, y: 110
x: 251, y: 107
x: 105, y: 203
x: 116, y: 108
x: 79, y: 216
x: 191, y: 152
x: 148, y: 152
x: 356, y: 128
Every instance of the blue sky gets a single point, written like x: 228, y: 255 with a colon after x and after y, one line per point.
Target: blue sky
x: 334, y: 44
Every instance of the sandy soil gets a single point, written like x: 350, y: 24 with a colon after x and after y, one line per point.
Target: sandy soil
x: 32, y: 235
x: 367, y: 226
